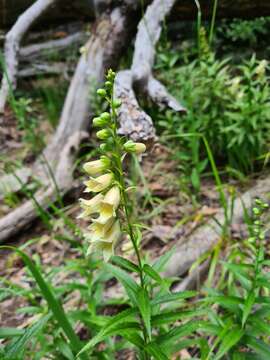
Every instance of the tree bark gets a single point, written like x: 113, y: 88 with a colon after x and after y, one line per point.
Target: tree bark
x: 85, y: 10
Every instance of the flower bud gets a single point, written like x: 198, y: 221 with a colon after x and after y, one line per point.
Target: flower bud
x: 103, y: 134
x: 98, y: 122
x: 117, y: 103
x: 108, y: 84
x: 111, y: 75
x: 103, y: 146
x: 97, y: 166
x: 101, y: 92
x: 105, y: 116
x: 137, y: 148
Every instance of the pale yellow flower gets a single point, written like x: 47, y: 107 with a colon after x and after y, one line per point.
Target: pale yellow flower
x: 106, y: 248
x: 109, y: 205
x: 99, y: 231
x: 261, y: 67
x: 97, y: 166
x: 106, y: 244
x: 98, y: 184
x: 90, y: 206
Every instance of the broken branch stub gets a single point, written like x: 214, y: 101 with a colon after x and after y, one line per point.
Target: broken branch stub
x: 133, y: 120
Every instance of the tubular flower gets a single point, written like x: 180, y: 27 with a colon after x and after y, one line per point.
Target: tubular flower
x: 97, y: 166
x: 260, y: 69
x: 107, y: 243
x: 98, y: 184
x: 98, y: 231
x: 109, y: 205
x: 90, y: 206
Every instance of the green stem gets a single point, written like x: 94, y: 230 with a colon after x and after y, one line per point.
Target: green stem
x: 118, y: 160
x: 199, y: 23
x: 213, y: 20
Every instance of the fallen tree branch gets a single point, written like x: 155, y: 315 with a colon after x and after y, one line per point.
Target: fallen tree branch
x: 30, y: 52
x: 140, y: 76
x: 205, y: 237
x: 102, y: 51
x: 194, y: 279
x: 12, y: 46
x: 40, y: 69
x: 26, y: 213
x: 149, y: 31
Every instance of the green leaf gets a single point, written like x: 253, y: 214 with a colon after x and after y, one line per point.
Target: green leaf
x: 228, y: 302
x: 125, y: 264
x: 114, y: 323
x: 249, y: 302
x: 9, y: 332
x: 260, y: 347
x: 168, y: 317
x: 115, y: 329
x: 263, y: 282
x: 16, y: 347
x: 53, y: 303
x: 152, y: 273
x: 229, y: 340
x: 258, y: 326
x: 64, y: 349
x: 133, y: 337
x: 145, y: 309
x: 177, y: 332
x: 156, y: 351
x: 131, y: 287
x: 173, y: 297
x: 160, y: 264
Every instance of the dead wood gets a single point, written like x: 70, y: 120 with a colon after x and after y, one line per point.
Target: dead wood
x: 12, y: 46
x: 37, y: 69
x: 149, y: 31
x: 102, y: 51
x: 24, y: 214
x: 133, y: 120
x: 194, y: 279
x: 205, y: 237
x: 139, y: 124
x: 30, y: 52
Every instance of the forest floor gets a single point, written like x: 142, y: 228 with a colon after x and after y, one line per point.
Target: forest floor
x: 168, y: 206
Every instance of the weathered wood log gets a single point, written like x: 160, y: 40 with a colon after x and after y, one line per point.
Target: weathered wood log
x: 26, y: 213
x: 103, y: 50
x: 30, y: 52
x: 139, y: 77
x: 205, y: 237
x: 133, y: 120
x: 184, y: 9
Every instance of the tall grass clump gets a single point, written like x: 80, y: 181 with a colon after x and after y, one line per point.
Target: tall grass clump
x: 229, y: 106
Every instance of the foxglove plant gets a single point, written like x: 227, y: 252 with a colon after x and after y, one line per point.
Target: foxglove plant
x: 143, y: 324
